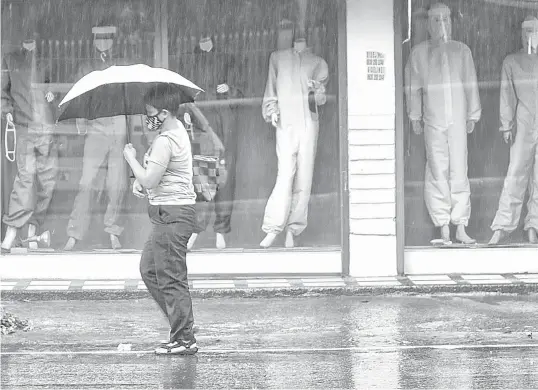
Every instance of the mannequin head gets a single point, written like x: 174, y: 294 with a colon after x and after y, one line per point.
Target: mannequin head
x: 103, y: 37
x: 30, y: 38
x: 206, y: 43
x: 529, y: 34
x: 285, y: 34
x: 439, y: 23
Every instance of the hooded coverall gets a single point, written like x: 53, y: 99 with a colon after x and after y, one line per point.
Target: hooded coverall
x: 213, y: 68
x: 442, y: 79
x: 519, y: 109
x: 36, y: 152
x: 287, y: 94
x: 103, y: 150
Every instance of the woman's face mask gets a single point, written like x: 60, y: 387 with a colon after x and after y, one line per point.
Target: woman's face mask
x: 153, y: 122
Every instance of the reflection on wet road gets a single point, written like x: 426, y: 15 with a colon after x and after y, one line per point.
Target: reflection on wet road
x: 467, y: 341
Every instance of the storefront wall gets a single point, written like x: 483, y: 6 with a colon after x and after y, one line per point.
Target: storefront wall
x: 152, y: 35
x: 372, y: 138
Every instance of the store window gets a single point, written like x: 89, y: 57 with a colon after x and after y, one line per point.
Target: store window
x: 470, y: 71
x: 258, y: 63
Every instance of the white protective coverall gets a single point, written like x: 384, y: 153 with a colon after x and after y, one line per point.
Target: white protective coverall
x: 286, y: 93
x: 519, y: 108
x: 441, y: 79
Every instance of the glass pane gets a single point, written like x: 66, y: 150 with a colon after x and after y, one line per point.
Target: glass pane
x: 66, y: 177
x: 444, y: 94
x: 88, y: 194
x: 226, y: 46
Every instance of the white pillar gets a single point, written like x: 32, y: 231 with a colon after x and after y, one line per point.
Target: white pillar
x: 371, y: 122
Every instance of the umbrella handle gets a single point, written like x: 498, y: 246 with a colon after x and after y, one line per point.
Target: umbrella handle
x: 10, y: 153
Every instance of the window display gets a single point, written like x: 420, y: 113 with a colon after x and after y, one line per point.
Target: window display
x: 295, y: 88
x: 69, y: 180
x: 518, y: 125
x: 441, y: 79
x: 462, y: 84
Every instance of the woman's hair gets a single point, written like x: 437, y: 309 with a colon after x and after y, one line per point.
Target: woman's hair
x: 164, y: 97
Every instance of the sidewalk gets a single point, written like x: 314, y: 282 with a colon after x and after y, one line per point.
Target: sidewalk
x: 276, y: 286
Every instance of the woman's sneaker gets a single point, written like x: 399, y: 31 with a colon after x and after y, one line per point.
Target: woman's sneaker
x: 177, y: 348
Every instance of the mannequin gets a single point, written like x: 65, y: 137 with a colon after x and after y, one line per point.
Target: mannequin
x: 104, y: 142
x: 213, y: 70
x: 440, y: 78
x: 31, y: 112
x: 518, y: 107
x: 290, y: 103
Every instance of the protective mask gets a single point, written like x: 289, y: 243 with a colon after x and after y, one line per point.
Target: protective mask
x: 206, y: 44
x: 103, y: 45
x: 29, y: 44
x: 153, y: 123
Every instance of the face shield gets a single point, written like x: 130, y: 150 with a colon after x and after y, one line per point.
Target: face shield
x: 439, y: 23
x: 440, y: 27
x: 529, y: 34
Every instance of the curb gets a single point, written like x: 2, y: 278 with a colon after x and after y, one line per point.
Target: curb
x: 25, y: 295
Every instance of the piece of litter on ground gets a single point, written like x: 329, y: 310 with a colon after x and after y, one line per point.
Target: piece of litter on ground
x: 125, y: 347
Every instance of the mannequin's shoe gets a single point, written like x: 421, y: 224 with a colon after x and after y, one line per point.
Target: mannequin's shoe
x: 290, y: 240
x: 268, y: 240
x: 532, y: 235
x: 221, y: 242
x: 498, y: 236
x: 191, y: 241
x: 463, y: 237
x: 70, y: 245
x: 115, y: 242
x: 9, y: 239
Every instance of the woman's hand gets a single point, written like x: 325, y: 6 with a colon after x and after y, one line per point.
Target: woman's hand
x: 129, y: 152
x: 138, y: 190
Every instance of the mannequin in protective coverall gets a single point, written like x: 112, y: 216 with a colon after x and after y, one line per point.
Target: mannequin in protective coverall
x: 441, y: 79
x: 294, y: 90
x: 519, y: 126
x: 214, y: 69
x: 31, y: 114
x: 103, y: 148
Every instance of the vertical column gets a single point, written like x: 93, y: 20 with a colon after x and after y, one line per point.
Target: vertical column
x: 372, y: 149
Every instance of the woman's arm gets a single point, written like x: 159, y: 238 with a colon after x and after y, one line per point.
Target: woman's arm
x: 151, y: 176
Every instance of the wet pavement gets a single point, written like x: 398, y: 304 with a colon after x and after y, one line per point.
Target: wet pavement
x: 427, y: 341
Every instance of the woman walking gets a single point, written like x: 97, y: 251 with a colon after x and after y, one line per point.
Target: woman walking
x: 166, y: 178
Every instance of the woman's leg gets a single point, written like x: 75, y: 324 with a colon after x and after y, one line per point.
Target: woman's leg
x: 149, y: 274
x: 170, y: 256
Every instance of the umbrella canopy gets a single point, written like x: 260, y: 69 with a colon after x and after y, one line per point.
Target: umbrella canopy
x: 120, y: 90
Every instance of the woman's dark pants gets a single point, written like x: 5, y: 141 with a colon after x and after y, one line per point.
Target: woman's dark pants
x: 163, y: 266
